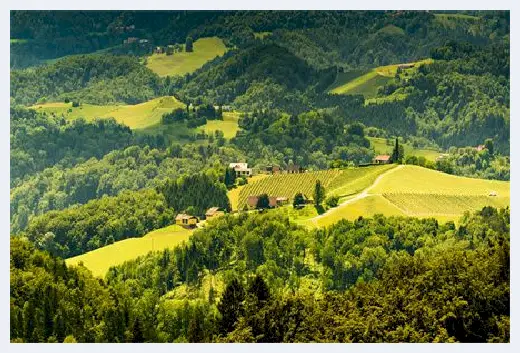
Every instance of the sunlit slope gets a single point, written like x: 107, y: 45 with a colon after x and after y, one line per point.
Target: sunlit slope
x: 179, y: 64
x: 340, y: 182
x: 100, y: 260
x: 421, y: 192
x: 367, y: 83
x: 414, y: 179
x: 381, y: 147
x: 136, y: 116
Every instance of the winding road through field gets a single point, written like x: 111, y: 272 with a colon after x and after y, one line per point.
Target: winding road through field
x: 359, y: 196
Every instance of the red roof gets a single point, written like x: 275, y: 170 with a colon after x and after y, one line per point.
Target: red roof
x: 382, y: 157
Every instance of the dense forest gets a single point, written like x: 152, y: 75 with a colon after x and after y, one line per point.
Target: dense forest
x: 81, y: 183
x: 373, y: 280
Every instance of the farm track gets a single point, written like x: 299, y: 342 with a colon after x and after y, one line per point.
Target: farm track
x: 359, y: 196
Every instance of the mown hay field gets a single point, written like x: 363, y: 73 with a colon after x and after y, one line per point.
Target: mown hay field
x: 100, y: 260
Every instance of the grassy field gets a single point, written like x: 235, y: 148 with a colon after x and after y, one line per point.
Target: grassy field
x: 365, y: 207
x: 381, y: 147
x: 228, y: 125
x: 421, y: 192
x: 341, y: 182
x: 414, y: 180
x: 137, y: 116
x: 179, y: 64
x: 367, y: 82
x: 100, y: 260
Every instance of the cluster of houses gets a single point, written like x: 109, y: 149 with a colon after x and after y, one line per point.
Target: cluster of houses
x: 189, y: 221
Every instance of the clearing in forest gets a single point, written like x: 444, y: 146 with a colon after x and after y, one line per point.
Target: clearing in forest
x: 136, y: 116
x: 381, y: 146
x: 182, y: 63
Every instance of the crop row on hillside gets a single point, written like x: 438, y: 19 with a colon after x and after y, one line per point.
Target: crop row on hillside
x: 340, y: 182
x: 288, y: 185
x: 422, y: 204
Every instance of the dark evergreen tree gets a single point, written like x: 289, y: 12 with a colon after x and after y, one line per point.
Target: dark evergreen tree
x: 299, y: 200
x: 231, y: 306
x: 189, y: 44
x: 319, y: 193
x: 262, y: 202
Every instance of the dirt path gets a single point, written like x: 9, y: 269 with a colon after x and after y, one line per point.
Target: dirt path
x: 359, y: 196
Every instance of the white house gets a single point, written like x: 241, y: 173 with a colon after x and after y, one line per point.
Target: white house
x: 241, y: 169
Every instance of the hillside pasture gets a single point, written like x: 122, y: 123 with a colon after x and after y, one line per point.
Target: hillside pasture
x: 100, y: 260
x: 381, y: 147
x: 228, y: 125
x: 417, y: 180
x: 421, y: 192
x: 367, y: 83
x: 138, y: 116
x: 182, y: 63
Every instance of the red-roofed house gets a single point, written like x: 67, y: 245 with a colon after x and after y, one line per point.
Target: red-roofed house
x: 382, y: 159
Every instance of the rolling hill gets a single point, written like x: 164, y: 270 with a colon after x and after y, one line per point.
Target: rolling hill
x: 341, y: 182
x: 420, y: 192
x: 100, y: 260
x: 366, y: 83
x: 180, y: 64
x: 136, y: 116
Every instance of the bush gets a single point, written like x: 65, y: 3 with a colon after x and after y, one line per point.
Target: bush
x: 332, y: 201
x: 75, y: 104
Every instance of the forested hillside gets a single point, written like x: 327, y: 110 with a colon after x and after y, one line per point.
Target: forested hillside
x: 367, y: 281
x: 262, y: 153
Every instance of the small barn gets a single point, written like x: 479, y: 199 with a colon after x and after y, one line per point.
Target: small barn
x: 186, y: 220
x: 382, y: 159
x: 214, y: 212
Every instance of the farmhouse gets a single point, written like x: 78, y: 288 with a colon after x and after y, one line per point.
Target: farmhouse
x: 214, y: 212
x: 382, y: 159
x: 241, y: 169
x: 480, y: 148
x: 274, y: 201
x: 158, y: 50
x: 186, y: 220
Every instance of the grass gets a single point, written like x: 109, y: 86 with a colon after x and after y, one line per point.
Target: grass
x: 380, y: 146
x: 139, y: 116
x: 420, y: 192
x: 100, y: 260
x: 367, y: 83
x: 180, y: 64
x: 414, y: 179
x: 366, y: 207
x: 228, y: 125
